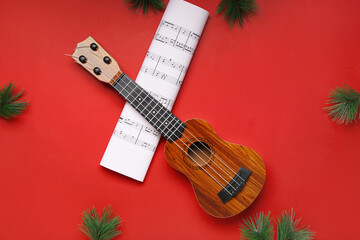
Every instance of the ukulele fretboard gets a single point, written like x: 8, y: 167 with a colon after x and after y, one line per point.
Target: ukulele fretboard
x: 153, y: 111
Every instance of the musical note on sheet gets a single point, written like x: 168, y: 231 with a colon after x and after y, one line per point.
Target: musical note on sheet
x: 167, y: 102
x: 138, y: 126
x: 175, y: 71
x: 166, y: 61
x: 177, y: 36
x: 160, y: 75
x: 134, y: 141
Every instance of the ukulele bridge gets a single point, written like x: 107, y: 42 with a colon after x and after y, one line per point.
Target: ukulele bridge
x: 235, y: 185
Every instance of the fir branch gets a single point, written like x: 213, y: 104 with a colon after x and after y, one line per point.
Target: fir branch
x: 10, y: 105
x: 344, y: 103
x: 144, y: 5
x: 258, y: 228
x: 100, y: 228
x: 237, y: 11
x: 287, y: 228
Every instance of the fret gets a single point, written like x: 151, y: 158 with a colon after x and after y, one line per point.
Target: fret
x: 145, y: 112
x: 158, y: 118
x: 148, y: 99
x: 175, y: 126
x: 135, y: 94
x: 153, y: 117
x: 153, y: 111
x: 166, y: 130
x: 124, y: 87
x: 153, y: 108
x: 164, y: 121
x: 140, y: 107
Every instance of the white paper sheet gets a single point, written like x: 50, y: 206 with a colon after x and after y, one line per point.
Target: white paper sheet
x: 134, y: 140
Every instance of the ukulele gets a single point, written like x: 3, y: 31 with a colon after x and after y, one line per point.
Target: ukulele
x: 226, y: 177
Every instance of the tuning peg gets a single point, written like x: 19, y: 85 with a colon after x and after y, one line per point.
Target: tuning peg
x: 90, y: 55
x: 82, y: 59
x: 107, y: 60
x: 94, y: 46
x: 97, y: 70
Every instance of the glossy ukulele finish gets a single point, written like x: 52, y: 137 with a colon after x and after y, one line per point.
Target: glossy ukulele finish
x: 232, y: 156
x: 226, y: 177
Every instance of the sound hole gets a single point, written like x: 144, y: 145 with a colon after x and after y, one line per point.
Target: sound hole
x: 199, y: 153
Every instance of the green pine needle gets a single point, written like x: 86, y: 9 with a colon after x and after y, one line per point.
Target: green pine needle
x: 100, y: 228
x: 144, y: 5
x: 10, y: 105
x: 287, y: 228
x: 237, y: 11
x: 258, y: 228
x: 344, y: 103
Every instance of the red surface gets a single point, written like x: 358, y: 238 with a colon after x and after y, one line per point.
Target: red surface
x: 266, y: 89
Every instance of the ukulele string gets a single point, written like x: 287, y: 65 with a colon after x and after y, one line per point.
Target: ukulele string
x: 216, y: 157
x: 203, y: 145
x: 180, y: 139
x: 189, y: 148
x: 169, y: 124
x: 190, y: 141
x: 184, y: 144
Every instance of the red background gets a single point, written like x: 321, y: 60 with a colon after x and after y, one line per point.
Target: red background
x: 263, y: 86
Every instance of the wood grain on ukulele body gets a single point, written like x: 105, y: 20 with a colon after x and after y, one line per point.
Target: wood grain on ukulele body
x: 224, y: 160
x: 226, y: 177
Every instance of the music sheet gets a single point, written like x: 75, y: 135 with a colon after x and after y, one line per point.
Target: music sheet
x: 134, y: 140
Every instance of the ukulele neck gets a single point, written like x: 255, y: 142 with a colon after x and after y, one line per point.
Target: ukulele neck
x: 153, y: 111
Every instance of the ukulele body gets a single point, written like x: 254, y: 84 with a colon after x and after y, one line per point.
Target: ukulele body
x: 200, y: 152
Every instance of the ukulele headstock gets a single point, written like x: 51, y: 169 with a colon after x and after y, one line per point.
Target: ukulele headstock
x: 90, y: 55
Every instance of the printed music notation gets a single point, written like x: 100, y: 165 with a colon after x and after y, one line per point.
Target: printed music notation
x: 160, y: 75
x: 162, y: 68
x: 177, y: 36
x: 134, y: 140
x: 168, y: 65
x: 179, y: 29
x: 138, y: 126
x: 166, y: 102
x: 174, y: 43
x: 166, y: 61
x: 135, y: 136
